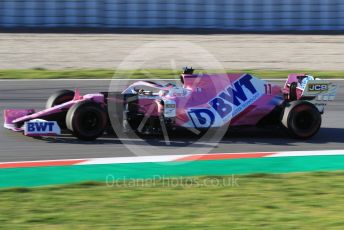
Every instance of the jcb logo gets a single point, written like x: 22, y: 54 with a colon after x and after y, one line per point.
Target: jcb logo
x: 318, y: 87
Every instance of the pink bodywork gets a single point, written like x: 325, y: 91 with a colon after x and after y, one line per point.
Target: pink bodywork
x: 291, y: 79
x: 201, y: 89
x: 246, y: 98
x: 13, y: 116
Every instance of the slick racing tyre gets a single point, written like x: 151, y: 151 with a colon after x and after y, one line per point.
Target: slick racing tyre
x: 302, y: 119
x: 87, y: 120
x: 59, y: 98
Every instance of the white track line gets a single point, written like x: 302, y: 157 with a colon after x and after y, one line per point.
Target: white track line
x: 308, y: 153
x: 171, y: 158
x: 174, y: 158
x: 140, y: 159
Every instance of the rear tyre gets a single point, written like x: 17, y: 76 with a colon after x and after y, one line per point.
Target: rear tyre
x: 87, y: 120
x: 59, y: 98
x: 302, y: 119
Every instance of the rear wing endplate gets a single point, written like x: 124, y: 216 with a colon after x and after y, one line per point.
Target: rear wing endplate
x: 322, y: 90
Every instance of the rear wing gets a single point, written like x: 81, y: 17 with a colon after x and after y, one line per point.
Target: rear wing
x: 320, y: 90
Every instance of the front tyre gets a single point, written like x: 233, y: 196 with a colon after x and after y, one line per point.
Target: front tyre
x: 59, y: 97
x: 87, y: 120
x: 302, y: 119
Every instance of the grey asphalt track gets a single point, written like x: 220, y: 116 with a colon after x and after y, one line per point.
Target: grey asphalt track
x: 33, y: 94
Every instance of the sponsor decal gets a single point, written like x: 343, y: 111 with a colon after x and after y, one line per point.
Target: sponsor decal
x: 228, y: 103
x: 170, y: 108
x: 318, y: 87
x: 322, y: 90
x: 202, y: 118
x: 40, y: 127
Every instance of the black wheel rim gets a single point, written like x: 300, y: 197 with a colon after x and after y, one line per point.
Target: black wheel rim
x: 304, y: 120
x: 90, y: 120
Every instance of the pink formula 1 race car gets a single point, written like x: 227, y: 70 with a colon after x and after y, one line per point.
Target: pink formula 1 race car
x: 199, y: 102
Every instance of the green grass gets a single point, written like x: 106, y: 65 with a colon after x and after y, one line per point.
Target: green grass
x: 260, y: 201
x: 143, y: 73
